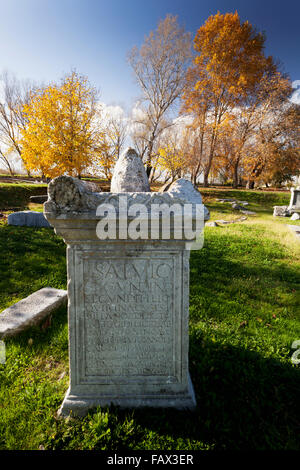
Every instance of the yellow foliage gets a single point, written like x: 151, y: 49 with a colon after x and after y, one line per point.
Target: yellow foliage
x: 170, y: 159
x: 61, y: 136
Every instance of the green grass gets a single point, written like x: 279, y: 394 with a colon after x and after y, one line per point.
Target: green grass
x: 244, y: 316
x: 17, y: 195
x: 31, y: 259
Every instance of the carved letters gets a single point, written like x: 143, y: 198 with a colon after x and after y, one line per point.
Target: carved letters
x: 128, y: 310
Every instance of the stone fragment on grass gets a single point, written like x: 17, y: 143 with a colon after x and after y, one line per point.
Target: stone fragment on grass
x: 31, y: 310
x: 236, y: 206
x: 246, y: 212
x: 39, y: 199
x: 296, y: 230
x: 211, y: 224
x: 281, y: 211
x: 295, y: 216
x: 244, y: 203
x: 225, y: 222
x: 28, y: 219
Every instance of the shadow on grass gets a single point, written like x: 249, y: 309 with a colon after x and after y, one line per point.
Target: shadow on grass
x: 243, y: 401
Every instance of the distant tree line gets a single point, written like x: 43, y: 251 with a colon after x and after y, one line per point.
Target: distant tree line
x: 220, y: 111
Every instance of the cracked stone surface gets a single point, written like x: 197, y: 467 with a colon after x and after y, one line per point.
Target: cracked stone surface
x: 28, y: 219
x: 129, y: 174
x: 281, y: 211
x: 31, y: 310
x: 183, y: 189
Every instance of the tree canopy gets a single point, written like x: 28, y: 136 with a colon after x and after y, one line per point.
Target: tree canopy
x: 61, y: 134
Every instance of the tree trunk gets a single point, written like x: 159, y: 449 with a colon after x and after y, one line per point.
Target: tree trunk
x: 205, y: 179
x: 148, y: 170
x: 7, y: 164
x: 250, y: 184
x: 235, y: 175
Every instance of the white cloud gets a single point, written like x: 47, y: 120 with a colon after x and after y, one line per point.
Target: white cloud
x: 114, y: 111
x: 295, y: 98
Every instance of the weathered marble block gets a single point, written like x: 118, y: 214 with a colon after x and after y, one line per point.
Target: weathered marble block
x: 294, y: 205
x: 28, y: 218
x: 128, y: 307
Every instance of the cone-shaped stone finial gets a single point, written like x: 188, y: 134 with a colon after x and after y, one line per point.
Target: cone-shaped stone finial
x: 129, y: 174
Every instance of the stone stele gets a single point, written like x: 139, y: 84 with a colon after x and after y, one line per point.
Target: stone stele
x: 128, y: 305
x: 294, y: 205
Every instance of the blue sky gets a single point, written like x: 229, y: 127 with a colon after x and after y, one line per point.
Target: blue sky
x: 43, y: 39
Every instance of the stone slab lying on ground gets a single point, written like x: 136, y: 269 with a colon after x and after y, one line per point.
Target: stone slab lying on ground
x: 295, y: 216
x: 234, y: 202
x: 295, y: 229
x: 211, y: 224
x: 31, y: 310
x: 225, y: 200
x: 246, y: 212
x: 244, y: 203
x: 225, y: 222
x: 236, y: 206
x: 28, y: 219
x: 39, y: 199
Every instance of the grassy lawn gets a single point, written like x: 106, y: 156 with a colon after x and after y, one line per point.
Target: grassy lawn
x: 244, y: 316
x: 16, y: 196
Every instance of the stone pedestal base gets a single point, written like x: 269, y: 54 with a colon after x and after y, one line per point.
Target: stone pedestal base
x: 76, y: 405
x: 128, y: 296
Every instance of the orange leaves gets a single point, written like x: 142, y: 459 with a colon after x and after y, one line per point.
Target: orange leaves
x: 226, y: 74
x: 230, y: 54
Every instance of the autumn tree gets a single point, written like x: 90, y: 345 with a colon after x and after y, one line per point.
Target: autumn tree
x: 159, y: 67
x: 171, y: 159
x: 115, y: 128
x: 230, y: 61
x: 14, y: 94
x: 61, y: 133
x: 273, y: 154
